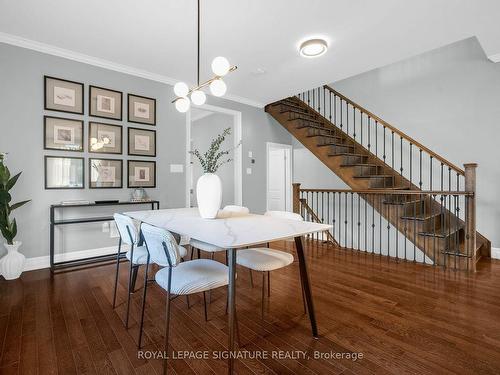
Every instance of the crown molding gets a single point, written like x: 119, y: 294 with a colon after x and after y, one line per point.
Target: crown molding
x: 495, y: 58
x: 106, y: 64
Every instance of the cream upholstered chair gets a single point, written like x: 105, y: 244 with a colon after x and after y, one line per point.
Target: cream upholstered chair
x: 209, y: 248
x: 192, y: 276
x: 265, y: 259
x: 137, y: 255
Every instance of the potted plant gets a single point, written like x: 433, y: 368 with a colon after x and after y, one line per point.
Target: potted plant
x: 209, y: 186
x: 12, y: 264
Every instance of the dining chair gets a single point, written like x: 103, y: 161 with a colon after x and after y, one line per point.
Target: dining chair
x: 265, y: 259
x: 137, y: 255
x: 189, y: 277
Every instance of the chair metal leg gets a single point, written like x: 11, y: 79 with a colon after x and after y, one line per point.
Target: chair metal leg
x: 167, y: 331
x: 117, y: 272
x: 251, y: 277
x: 262, y: 301
x: 268, y: 284
x: 212, y: 254
x: 227, y: 299
x: 237, y: 328
x: 187, y: 301
x: 143, y: 303
x: 128, y: 294
x: 198, y: 253
x: 205, y: 306
x: 134, y: 278
x: 192, y: 252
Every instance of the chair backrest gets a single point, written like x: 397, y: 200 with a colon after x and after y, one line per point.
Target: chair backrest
x: 128, y: 228
x: 238, y: 209
x: 285, y: 215
x: 161, y: 244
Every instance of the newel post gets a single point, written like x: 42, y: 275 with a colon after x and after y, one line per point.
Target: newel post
x: 296, y: 198
x: 470, y: 219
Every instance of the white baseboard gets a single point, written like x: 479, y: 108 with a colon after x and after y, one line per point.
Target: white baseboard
x: 495, y: 252
x: 37, y: 263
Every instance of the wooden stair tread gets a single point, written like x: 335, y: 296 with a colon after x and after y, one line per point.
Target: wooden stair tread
x: 374, y: 176
x: 420, y: 217
x: 311, y: 120
x: 436, y: 234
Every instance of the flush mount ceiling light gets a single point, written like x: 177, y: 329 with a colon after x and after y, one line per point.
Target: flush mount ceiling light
x: 185, y: 95
x: 313, y: 48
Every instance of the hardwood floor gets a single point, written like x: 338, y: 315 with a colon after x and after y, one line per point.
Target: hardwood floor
x: 403, y: 318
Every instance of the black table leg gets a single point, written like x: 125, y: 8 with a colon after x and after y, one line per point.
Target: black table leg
x: 304, y: 276
x: 231, y: 290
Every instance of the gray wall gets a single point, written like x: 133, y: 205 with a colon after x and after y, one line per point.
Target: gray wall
x: 21, y: 128
x: 203, y: 131
x: 449, y: 100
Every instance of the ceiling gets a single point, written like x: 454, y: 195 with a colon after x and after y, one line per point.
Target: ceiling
x: 157, y: 38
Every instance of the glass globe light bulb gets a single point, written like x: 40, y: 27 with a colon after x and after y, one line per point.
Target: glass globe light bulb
x: 106, y: 140
x: 181, y: 89
x: 198, y: 97
x: 218, y: 87
x: 93, y: 141
x: 220, y: 66
x: 182, y: 105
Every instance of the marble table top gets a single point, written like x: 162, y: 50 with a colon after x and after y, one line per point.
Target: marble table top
x: 229, y: 229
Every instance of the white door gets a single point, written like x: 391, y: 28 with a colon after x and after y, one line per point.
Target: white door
x: 278, y: 177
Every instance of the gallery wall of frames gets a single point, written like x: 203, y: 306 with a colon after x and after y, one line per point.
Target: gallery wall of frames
x: 104, y: 136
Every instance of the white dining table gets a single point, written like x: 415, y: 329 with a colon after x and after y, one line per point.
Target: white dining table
x: 231, y: 231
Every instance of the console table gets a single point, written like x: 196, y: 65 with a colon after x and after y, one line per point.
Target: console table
x: 155, y: 205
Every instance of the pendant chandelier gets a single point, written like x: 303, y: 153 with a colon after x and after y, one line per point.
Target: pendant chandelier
x: 185, y: 95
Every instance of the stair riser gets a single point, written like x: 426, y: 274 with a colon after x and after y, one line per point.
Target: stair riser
x: 353, y: 159
x: 438, y: 224
x: 303, y: 119
x: 381, y: 182
x: 311, y: 132
x: 288, y: 107
x: 325, y: 141
x: 366, y: 170
x: 338, y: 149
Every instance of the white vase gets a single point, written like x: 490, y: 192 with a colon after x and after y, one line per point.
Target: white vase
x: 209, y: 195
x: 12, y: 264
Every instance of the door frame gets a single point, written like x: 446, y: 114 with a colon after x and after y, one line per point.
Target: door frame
x: 288, y: 178
x: 237, y: 159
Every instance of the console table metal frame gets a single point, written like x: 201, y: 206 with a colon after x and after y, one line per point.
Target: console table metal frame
x: 89, y: 260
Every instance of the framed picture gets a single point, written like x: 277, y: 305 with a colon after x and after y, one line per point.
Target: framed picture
x: 141, y: 173
x: 141, y: 142
x: 141, y: 110
x: 62, y: 134
x: 64, y: 172
x: 63, y: 95
x: 105, y: 138
x: 105, y: 173
x: 105, y: 103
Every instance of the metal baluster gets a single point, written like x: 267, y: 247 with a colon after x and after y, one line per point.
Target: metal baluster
x: 388, y: 233
x: 411, y: 165
x: 376, y: 138
x: 345, y: 221
x: 432, y: 199
x: 333, y: 215
x: 415, y: 228
x: 352, y: 221
x: 347, y: 116
x: 369, y: 133
x: 380, y: 224
x: 401, y: 154
x: 366, y: 225
x: 430, y: 174
x: 340, y: 219
x: 420, y: 167
x: 335, y: 109
x: 373, y: 223
x: 341, y: 116
x: 359, y: 221
x: 392, y: 148
x: 384, y: 156
x: 354, y: 120
x: 319, y: 101
x: 330, y: 104
x: 361, y: 118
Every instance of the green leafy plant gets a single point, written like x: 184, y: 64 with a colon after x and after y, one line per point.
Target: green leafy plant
x: 7, y: 227
x: 211, y: 160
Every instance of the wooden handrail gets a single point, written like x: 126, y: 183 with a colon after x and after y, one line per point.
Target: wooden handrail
x: 390, y: 191
x: 397, y: 131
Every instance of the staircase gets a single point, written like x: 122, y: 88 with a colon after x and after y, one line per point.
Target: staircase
x: 389, y: 170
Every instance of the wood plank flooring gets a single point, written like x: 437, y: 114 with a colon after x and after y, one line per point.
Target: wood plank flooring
x: 404, y: 319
